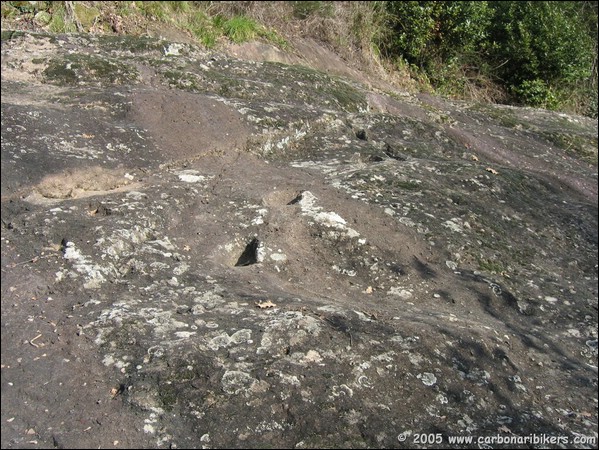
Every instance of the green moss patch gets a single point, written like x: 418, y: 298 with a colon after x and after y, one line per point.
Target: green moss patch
x: 584, y: 147
x: 182, y: 80
x: 81, y: 69
x: 7, y: 35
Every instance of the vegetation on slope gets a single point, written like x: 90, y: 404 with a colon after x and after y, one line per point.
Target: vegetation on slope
x: 541, y: 54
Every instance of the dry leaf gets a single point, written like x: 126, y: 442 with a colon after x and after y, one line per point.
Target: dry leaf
x: 493, y: 171
x: 368, y: 290
x: 504, y: 429
x: 114, y: 392
x: 266, y: 304
x: 474, y: 158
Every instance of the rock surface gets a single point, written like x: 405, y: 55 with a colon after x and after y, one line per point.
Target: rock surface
x: 200, y: 251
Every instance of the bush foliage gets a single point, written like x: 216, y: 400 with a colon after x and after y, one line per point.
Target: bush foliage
x: 541, y: 53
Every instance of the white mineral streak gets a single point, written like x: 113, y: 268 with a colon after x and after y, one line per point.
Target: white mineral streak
x: 330, y: 219
x: 190, y: 176
x: 93, y: 273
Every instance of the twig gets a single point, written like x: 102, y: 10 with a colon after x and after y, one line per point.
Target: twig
x: 72, y: 15
x: 502, y: 64
x: 32, y: 343
x: 32, y: 260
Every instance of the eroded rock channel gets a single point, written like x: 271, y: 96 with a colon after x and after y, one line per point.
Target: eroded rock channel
x: 205, y: 252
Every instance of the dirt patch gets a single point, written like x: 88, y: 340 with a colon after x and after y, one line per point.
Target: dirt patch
x: 82, y: 183
x: 186, y: 125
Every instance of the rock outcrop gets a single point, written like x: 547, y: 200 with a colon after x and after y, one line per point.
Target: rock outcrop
x: 200, y: 251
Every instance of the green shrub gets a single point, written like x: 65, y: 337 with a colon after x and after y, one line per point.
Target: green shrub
x: 542, y: 52
x: 425, y: 32
x: 240, y: 29
x: 201, y: 27
x: 536, y: 93
x: 60, y: 22
x: 540, y: 41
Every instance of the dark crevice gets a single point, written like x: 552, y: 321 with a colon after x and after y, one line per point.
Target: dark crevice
x: 249, y: 255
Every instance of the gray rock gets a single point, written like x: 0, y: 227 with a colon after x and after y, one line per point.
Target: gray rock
x: 198, y: 300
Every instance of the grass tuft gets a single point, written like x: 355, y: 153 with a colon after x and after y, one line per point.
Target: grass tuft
x: 240, y: 29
